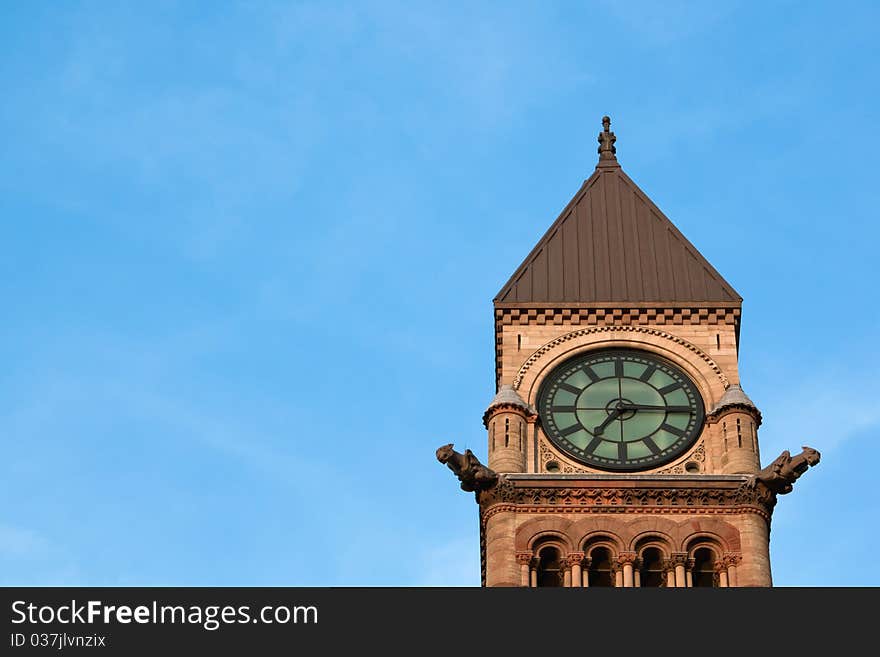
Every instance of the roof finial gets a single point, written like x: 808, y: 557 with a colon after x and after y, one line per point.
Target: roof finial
x: 607, y: 151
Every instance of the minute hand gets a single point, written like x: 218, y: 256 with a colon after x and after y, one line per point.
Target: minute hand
x: 668, y: 409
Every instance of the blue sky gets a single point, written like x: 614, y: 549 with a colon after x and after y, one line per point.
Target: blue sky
x: 249, y: 252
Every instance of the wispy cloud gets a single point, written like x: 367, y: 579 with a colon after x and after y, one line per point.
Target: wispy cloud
x: 30, y: 558
x: 661, y: 24
x: 454, y: 563
x: 821, y: 416
x: 807, y: 399
x: 21, y: 542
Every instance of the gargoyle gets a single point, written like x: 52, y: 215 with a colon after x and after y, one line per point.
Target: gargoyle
x: 472, y: 474
x: 779, y: 476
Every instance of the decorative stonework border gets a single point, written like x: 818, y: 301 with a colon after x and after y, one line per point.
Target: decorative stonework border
x: 639, y: 499
x: 547, y: 453
x: 535, y: 357
x: 692, y: 510
x: 710, y: 315
x: 698, y: 455
x: 616, y: 316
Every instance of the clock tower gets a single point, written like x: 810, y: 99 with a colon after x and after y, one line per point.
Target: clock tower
x: 622, y: 449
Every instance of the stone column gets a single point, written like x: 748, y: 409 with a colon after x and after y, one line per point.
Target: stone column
x: 731, y: 560
x: 638, y: 574
x: 626, y: 561
x: 618, y: 575
x: 501, y: 566
x: 669, y: 570
x: 754, y: 570
x: 566, y: 575
x: 533, y: 573
x: 586, y: 571
x: 721, y: 573
x: 575, y: 559
x: 524, y: 559
x: 689, y: 575
x: 679, y: 559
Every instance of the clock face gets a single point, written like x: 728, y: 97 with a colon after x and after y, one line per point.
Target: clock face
x: 620, y: 410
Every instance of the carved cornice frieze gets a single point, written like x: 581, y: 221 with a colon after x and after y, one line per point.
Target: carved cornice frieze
x: 503, y: 490
x: 646, y: 498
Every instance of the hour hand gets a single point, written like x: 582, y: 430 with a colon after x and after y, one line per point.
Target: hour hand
x: 608, y: 420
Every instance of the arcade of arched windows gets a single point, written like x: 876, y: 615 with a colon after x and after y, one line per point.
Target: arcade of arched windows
x: 602, y: 561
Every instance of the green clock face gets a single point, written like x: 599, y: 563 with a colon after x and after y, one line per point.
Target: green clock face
x: 620, y: 410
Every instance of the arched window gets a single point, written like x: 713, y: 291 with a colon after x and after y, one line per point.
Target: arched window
x: 549, y: 567
x: 703, y: 573
x: 652, y: 572
x: 600, y: 572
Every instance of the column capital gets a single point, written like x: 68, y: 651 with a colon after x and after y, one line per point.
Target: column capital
x: 574, y: 559
x: 678, y: 559
x: 731, y: 559
x: 626, y: 558
x: 524, y: 558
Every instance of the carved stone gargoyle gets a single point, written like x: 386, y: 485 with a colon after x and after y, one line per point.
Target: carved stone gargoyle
x: 473, y: 475
x: 781, y: 474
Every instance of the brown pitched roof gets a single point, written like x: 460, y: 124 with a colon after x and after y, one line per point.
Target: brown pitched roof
x: 612, y: 244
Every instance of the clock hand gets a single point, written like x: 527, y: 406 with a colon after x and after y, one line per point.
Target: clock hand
x: 608, y: 420
x: 668, y: 409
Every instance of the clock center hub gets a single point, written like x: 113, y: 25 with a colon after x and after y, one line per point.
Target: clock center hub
x: 619, y: 406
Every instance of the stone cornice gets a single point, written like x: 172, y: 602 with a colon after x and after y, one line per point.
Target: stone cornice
x: 658, y: 494
x: 523, y: 306
x: 663, y: 480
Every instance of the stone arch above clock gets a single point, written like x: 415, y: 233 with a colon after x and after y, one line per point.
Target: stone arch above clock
x: 705, y: 372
